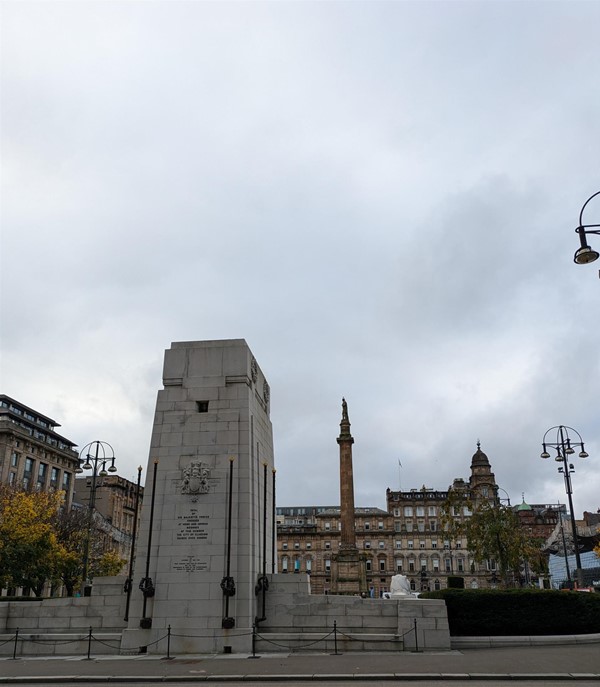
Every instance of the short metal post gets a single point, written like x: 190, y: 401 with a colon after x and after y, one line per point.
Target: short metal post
x: 89, y: 643
x: 253, y: 640
x: 335, y: 637
x: 169, y: 642
x: 416, y: 636
x: 16, y: 640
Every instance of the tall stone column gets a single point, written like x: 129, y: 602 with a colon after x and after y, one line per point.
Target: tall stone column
x: 345, y: 441
x: 348, y: 570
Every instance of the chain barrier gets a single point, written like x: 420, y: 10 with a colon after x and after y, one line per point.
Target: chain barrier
x: 256, y: 635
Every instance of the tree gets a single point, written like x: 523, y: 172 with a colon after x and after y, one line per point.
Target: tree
x: 29, y: 547
x: 493, y: 532
x: 109, y: 563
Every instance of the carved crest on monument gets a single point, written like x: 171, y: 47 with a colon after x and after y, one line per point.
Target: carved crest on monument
x: 266, y: 392
x: 254, y: 370
x: 194, y: 479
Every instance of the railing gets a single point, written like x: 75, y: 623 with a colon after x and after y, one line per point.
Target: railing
x: 19, y: 641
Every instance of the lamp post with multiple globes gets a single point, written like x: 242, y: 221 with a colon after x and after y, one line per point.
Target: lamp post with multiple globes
x: 565, y: 447
x: 97, y: 455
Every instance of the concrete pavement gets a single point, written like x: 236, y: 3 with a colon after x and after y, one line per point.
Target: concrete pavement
x: 552, y: 663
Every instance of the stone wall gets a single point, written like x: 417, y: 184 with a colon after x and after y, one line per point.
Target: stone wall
x: 296, y: 617
x: 61, y: 626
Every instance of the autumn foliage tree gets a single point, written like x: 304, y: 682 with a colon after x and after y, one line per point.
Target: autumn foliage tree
x: 493, y: 532
x: 29, y: 547
x: 41, y: 541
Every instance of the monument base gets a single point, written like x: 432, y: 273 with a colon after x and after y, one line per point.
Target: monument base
x: 349, y: 573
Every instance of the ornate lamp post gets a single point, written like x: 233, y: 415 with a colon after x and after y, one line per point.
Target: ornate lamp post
x: 102, y: 454
x: 585, y: 254
x: 565, y: 448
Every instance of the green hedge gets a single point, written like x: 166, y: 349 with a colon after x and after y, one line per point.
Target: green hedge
x: 494, y: 612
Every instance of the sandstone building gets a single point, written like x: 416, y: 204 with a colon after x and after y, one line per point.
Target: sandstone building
x: 114, y: 508
x: 407, y: 538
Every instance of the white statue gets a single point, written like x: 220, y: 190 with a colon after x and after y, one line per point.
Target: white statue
x: 400, y: 588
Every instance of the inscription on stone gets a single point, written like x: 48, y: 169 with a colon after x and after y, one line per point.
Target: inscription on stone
x: 193, y: 525
x: 190, y: 564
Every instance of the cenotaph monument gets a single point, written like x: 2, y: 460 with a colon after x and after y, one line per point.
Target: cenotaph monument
x: 206, y: 540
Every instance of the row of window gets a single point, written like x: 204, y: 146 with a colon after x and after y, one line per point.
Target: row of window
x: 410, y: 544
x: 412, y: 565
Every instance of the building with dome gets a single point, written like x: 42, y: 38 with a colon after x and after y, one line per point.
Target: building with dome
x: 407, y: 538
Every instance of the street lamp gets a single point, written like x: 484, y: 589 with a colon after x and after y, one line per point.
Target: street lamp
x: 103, y: 453
x: 565, y: 448
x: 585, y: 254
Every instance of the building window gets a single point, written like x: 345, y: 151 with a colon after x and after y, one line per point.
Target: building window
x: 434, y: 543
x: 54, y: 472
x: 460, y: 562
x: 458, y: 544
x: 448, y: 564
x: 14, y: 459
x: 431, y: 511
x: 380, y: 525
x: 396, y: 512
x: 433, y: 525
x: 202, y: 406
x: 423, y: 563
x: 409, y: 526
x: 455, y: 510
x: 413, y: 586
x: 41, y: 478
x: 410, y: 544
x: 296, y: 565
x: 368, y: 566
x: 367, y: 545
x: 328, y: 565
x: 367, y: 525
x: 467, y: 511
x: 308, y: 565
x: 436, y: 564
x: 421, y: 544
x: 327, y: 544
x: 382, y: 545
x: 284, y: 546
x: 399, y: 564
x: 436, y: 585
x: 491, y: 564
x: 397, y: 544
x: 308, y: 545
x: 408, y: 511
x: 420, y: 511
x: 446, y: 544
x: 411, y: 565
x: 421, y: 526
x: 284, y: 564
x: 327, y: 526
x: 382, y: 565
x: 296, y: 545
x: 12, y: 478
x: 397, y: 526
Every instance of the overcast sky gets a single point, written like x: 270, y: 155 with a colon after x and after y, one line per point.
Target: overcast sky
x: 380, y: 197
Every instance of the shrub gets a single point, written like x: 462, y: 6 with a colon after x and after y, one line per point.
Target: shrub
x: 494, y: 612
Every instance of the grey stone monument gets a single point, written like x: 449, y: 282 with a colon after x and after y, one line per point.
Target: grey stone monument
x: 206, y: 538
